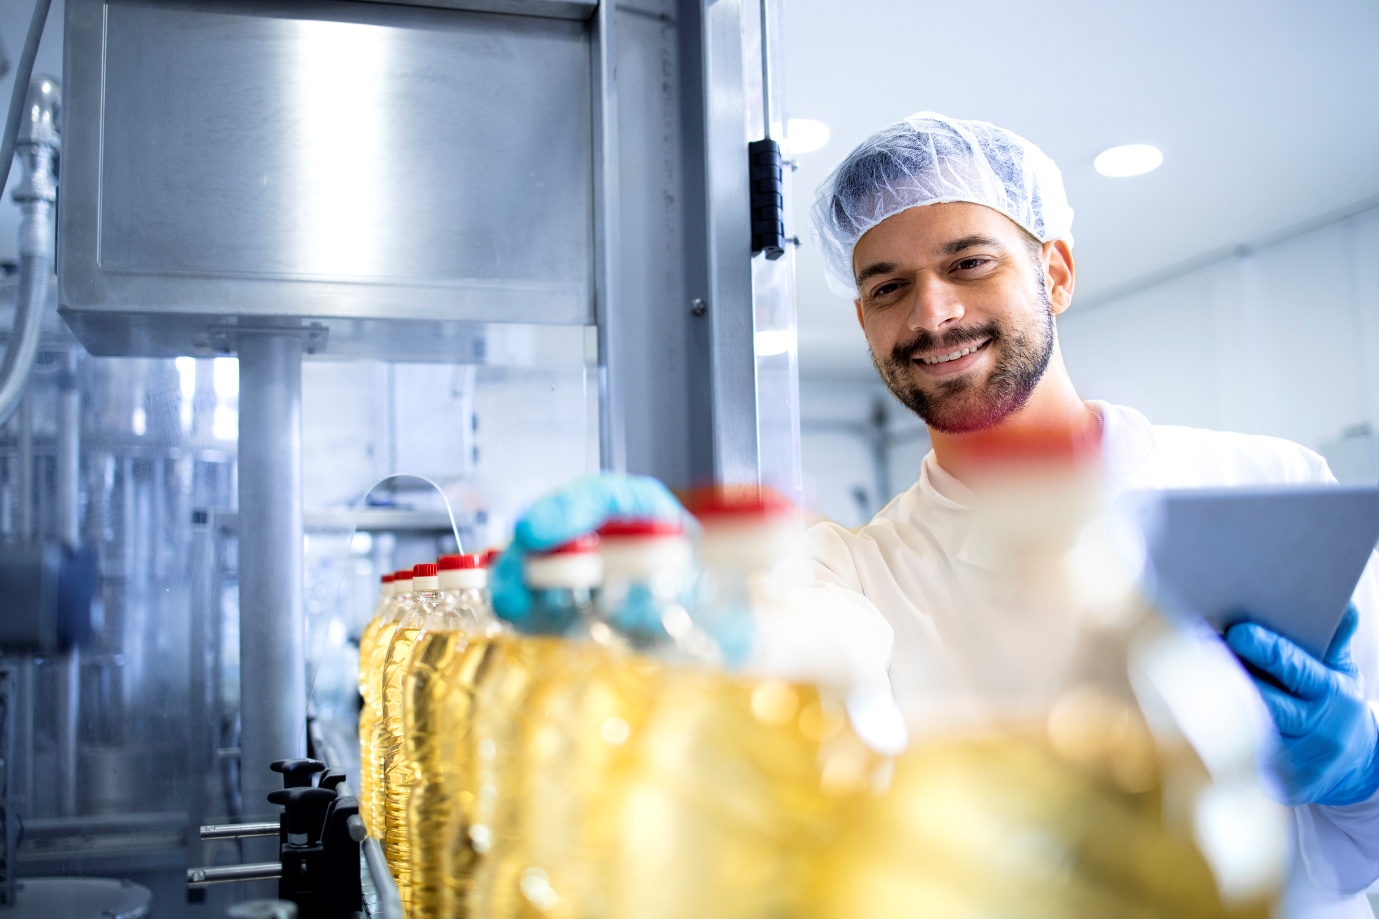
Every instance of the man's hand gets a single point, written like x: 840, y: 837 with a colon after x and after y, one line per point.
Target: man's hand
x: 580, y: 507
x: 1329, y: 734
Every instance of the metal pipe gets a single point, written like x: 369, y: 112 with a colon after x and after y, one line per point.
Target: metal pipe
x: 258, y: 871
x: 69, y: 531
x: 69, y: 453
x: 765, y: 71
x: 25, y: 706
x: 26, y: 468
x: 240, y: 830
x: 37, y: 197
x: 18, y: 102
x: 271, y: 624
x: 68, y: 675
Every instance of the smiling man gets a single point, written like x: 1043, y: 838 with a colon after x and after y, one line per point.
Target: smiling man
x: 953, y: 240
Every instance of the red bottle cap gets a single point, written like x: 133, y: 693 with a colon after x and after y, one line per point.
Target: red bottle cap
x: 491, y: 556
x: 404, y: 575
x: 425, y: 571
x: 386, y: 579
x: 588, y: 542
x: 1047, y: 446
x: 628, y: 527
x: 460, y: 562
x: 718, y: 501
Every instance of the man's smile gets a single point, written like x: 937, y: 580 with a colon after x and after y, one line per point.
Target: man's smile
x: 953, y: 361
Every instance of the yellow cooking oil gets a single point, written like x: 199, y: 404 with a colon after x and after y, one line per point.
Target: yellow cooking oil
x: 397, y: 767
x: 454, y: 794
x: 1059, y: 823
x: 371, y: 759
x: 367, y: 722
x: 585, y: 711
x: 737, y: 790
x: 484, y: 854
x: 433, y: 716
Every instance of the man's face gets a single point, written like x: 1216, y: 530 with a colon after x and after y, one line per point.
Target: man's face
x: 957, y: 312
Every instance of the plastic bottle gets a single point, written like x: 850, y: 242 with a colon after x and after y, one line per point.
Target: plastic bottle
x: 739, y: 781
x: 459, y: 684
x: 1070, y: 760
x: 423, y: 612
x: 486, y: 860
x: 368, y: 719
x: 586, y: 712
x: 378, y: 653
x: 436, y: 715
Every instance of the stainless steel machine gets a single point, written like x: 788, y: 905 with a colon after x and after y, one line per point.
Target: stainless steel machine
x: 352, y: 181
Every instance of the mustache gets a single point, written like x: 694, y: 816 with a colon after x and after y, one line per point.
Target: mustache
x: 951, y: 340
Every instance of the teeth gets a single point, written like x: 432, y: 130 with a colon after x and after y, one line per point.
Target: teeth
x: 945, y: 358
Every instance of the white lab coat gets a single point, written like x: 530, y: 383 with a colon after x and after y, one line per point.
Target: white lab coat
x: 900, y: 567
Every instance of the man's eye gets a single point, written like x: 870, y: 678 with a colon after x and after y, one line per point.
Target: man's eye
x: 885, y: 289
x: 968, y: 264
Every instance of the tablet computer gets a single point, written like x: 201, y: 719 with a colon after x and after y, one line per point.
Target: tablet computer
x: 1287, y: 557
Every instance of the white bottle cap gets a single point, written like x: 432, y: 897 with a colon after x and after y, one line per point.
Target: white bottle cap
x: 571, y: 566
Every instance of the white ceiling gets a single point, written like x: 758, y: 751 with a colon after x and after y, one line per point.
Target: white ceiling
x: 1267, y: 113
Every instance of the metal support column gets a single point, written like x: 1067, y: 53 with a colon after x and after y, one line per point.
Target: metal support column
x: 271, y: 625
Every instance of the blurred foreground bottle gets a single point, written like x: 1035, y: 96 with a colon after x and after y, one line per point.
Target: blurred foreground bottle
x: 435, y: 714
x: 368, y: 690
x: 422, y: 614
x: 587, y: 710
x: 1084, y: 759
x: 485, y: 842
x: 739, y: 781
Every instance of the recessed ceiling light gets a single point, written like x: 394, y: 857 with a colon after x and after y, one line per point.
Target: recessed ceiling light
x: 1129, y: 160
x: 805, y: 135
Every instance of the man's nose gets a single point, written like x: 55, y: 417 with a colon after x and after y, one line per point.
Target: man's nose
x: 936, y: 304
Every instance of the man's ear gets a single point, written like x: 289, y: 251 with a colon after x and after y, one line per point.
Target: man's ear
x: 1060, y: 274
x: 858, y: 304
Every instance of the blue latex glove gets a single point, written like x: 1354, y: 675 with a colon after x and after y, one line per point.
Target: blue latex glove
x: 580, y: 507
x: 1328, y: 732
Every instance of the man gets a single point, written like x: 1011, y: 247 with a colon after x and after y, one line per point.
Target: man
x: 953, y: 240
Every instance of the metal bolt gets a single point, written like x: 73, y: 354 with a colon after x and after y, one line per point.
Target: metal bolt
x: 698, y: 307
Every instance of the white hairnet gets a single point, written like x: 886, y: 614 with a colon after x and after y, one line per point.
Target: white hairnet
x: 931, y: 159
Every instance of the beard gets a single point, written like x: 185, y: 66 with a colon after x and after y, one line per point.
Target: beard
x: 963, y: 405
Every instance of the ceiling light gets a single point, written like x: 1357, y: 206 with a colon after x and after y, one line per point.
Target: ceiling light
x: 805, y: 135
x: 1129, y: 160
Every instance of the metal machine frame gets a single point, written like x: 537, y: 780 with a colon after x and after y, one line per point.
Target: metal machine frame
x: 668, y: 279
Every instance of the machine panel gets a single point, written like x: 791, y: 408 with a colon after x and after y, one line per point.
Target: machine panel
x: 322, y: 160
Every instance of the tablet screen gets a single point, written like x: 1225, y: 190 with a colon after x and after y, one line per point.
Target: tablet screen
x: 1287, y: 557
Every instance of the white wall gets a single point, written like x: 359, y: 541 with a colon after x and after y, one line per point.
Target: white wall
x: 837, y: 438
x: 1282, y: 340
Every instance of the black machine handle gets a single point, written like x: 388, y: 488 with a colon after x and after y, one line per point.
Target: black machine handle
x: 306, y: 809
x: 297, y: 773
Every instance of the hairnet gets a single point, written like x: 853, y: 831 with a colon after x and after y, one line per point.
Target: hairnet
x: 931, y: 159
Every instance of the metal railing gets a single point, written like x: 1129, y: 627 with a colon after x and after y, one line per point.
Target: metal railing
x: 386, y: 902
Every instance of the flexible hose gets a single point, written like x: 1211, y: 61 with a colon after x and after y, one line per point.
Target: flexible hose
x: 34, y: 271
x: 22, y: 75
x: 35, y: 257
